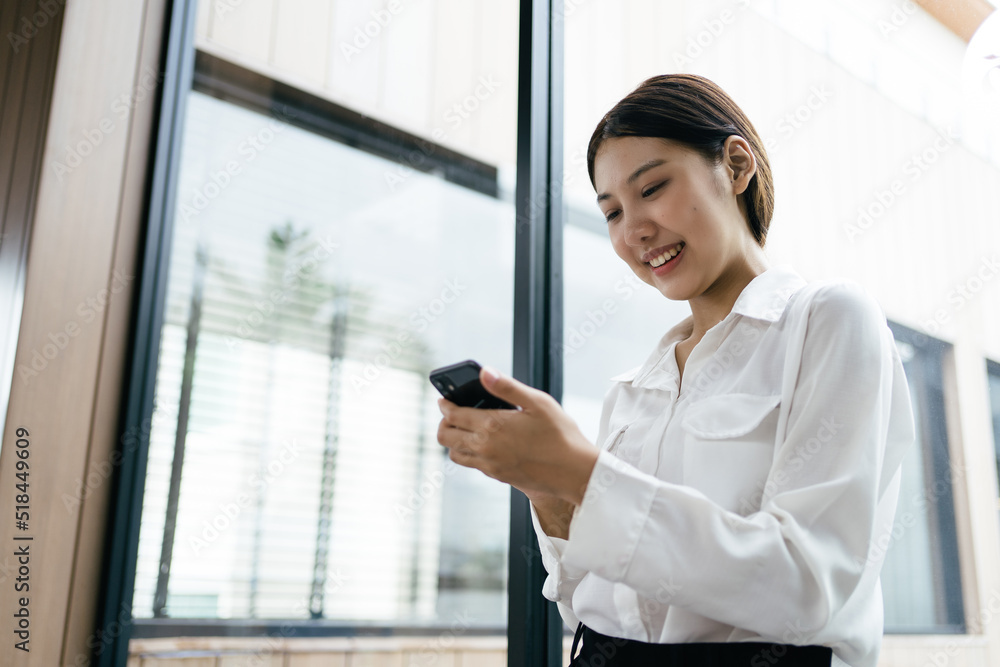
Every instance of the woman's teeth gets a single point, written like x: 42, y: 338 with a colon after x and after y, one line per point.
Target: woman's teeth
x: 667, y: 256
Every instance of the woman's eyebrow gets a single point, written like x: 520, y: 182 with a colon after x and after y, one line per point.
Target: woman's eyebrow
x: 636, y: 174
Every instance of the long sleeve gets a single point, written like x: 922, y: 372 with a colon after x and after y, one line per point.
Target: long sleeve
x: 562, y: 580
x: 787, y: 569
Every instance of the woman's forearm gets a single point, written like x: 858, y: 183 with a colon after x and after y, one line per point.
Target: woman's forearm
x: 554, y: 515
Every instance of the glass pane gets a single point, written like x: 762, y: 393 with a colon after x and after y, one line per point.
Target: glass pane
x: 294, y: 470
x: 911, y: 556
x: 994, y: 380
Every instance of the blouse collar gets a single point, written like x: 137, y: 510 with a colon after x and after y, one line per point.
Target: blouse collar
x: 764, y: 298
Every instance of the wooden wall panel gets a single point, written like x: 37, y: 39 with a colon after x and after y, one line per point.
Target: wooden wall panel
x: 970, y: 435
x: 27, y: 59
x: 110, y: 386
x: 327, y: 651
x: 962, y: 17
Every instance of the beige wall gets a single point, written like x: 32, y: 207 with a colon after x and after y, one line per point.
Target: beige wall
x: 404, y: 62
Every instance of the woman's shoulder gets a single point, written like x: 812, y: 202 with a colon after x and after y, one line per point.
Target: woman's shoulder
x: 837, y: 298
x: 839, y: 313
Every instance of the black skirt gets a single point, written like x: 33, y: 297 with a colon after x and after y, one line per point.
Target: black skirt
x: 603, y: 651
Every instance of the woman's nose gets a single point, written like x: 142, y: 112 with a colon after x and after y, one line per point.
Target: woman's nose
x: 638, y: 229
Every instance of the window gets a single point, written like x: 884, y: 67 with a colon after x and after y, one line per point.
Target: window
x: 306, y: 305
x: 921, y: 585
x: 324, y: 258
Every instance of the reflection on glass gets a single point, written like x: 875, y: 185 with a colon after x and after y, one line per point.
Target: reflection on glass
x: 306, y: 304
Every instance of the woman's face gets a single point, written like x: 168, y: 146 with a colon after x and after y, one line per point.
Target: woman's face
x: 667, y: 206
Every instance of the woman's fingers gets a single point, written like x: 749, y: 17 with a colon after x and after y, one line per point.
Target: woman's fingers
x: 454, y: 439
x: 467, y: 419
x: 509, y: 389
x: 473, y: 419
x: 476, y: 436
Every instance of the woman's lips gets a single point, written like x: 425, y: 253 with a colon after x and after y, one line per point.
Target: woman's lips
x: 671, y: 262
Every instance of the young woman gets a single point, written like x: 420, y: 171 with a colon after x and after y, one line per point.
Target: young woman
x: 744, y: 482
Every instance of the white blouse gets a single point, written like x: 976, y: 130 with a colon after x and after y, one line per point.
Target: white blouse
x: 754, y: 501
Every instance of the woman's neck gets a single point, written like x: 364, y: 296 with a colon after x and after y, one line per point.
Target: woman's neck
x: 711, y: 306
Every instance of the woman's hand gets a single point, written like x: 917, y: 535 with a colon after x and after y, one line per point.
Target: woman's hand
x: 537, y: 449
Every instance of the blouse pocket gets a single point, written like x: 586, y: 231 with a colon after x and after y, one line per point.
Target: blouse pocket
x: 729, y: 446
x: 614, y: 441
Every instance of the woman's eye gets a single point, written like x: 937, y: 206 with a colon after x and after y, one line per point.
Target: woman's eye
x: 645, y: 193
x: 653, y: 189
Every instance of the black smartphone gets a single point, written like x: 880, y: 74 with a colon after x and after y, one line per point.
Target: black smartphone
x: 460, y: 384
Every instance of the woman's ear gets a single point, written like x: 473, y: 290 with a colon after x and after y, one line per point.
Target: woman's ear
x: 739, y: 162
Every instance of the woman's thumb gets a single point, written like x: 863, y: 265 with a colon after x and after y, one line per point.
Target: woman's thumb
x: 505, y: 387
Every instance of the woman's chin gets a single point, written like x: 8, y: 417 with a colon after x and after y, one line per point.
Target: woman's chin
x: 670, y: 288
x: 674, y: 294
x: 675, y: 290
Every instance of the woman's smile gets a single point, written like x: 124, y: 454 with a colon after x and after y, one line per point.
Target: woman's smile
x: 665, y: 262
